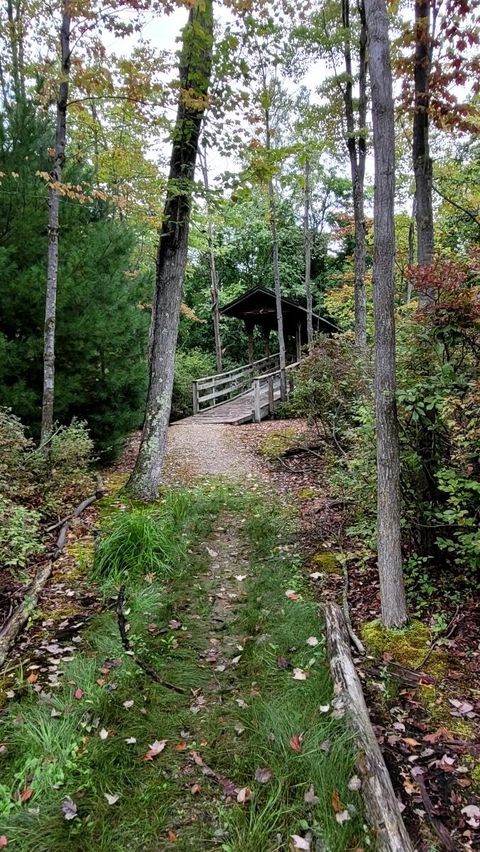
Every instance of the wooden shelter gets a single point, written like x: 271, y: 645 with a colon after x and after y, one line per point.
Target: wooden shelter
x: 257, y: 308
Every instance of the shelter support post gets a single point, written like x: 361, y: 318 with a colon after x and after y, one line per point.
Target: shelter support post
x: 298, y: 341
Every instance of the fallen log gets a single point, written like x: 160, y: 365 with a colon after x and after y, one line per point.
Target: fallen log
x: 20, y: 615
x: 382, y: 806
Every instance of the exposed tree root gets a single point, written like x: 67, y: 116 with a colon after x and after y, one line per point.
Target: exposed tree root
x: 146, y: 667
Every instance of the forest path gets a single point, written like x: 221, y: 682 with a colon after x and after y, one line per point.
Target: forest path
x: 207, y: 449
x: 248, y: 752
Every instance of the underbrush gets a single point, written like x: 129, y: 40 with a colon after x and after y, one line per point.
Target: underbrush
x: 35, y: 486
x: 73, y: 767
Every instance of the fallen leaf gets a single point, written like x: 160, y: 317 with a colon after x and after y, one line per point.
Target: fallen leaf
x: 240, y: 577
x: 128, y: 704
x: 342, y: 816
x: 155, y: 749
x: 299, y: 674
x: 312, y: 641
x: 263, y: 776
x: 472, y: 812
x: 111, y: 799
x: 26, y: 794
x: 310, y: 798
x: 103, y: 734
x: 324, y: 708
x: 410, y: 741
x: 241, y: 703
x: 336, y: 802
x: 3, y: 841
x: 171, y: 837
x: 32, y: 678
x: 291, y: 595
x: 315, y: 575
x: 439, y: 734
x: 300, y: 843
x: 354, y: 783
x: 296, y: 742
x: 195, y: 789
x: 282, y: 663
x: 326, y: 745
x: 174, y: 624
x: 78, y: 694
x: 181, y: 746
x: 131, y: 740
x: 69, y: 808
x: 244, y: 795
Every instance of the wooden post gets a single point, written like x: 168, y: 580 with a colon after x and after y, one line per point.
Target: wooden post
x: 298, y: 341
x: 195, y: 397
x: 249, y: 329
x: 257, y: 412
x: 271, y: 398
x: 266, y: 338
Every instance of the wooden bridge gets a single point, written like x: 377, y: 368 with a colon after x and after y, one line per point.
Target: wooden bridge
x: 247, y: 393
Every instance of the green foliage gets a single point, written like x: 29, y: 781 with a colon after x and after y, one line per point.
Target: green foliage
x: 143, y: 541
x: 102, y: 324
x: 189, y: 365
x: 19, y: 534
x: 332, y: 382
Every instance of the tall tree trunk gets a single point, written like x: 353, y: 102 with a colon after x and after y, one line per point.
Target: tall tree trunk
x: 275, y: 263
x: 214, y: 287
x: 357, y: 156
x: 307, y: 237
x: 53, y: 230
x: 195, y: 69
x: 411, y: 249
x: 422, y: 162
x: 392, y: 589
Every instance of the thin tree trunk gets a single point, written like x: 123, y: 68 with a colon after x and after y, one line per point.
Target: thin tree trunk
x: 422, y: 162
x: 392, y: 589
x: 195, y: 69
x: 214, y: 288
x: 275, y: 263
x: 53, y: 230
x: 357, y: 156
x: 411, y: 249
x: 308, y: 255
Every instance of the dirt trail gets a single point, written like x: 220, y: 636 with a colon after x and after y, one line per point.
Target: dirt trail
x: 210, y: 449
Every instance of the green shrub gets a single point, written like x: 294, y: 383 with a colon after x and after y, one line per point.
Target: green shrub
x: 332, y: 382
x: 19, y: 534
x: 142, y: 541
x: 188, y: 367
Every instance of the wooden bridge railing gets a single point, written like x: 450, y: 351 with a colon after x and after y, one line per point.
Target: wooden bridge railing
x: 266, y: 390
x: 210, y: 391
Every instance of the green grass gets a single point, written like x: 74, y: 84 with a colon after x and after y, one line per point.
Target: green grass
x: 63, y: 755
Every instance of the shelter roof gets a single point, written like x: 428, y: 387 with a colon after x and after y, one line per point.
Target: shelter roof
x: 258, y: 307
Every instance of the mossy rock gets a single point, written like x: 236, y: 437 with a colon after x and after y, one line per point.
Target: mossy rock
x: 327, y: 562
x: 275, y: 444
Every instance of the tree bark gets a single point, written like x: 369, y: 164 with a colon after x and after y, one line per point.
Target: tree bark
x: 392, y: 589
x: 275, y: 260
x: 307, y: 237
x: 357, y: 150
x: 53, y: 231
x: 383, y: 812
x: 214, y: 287
x: 422, y: 162
x: 195, y: 69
